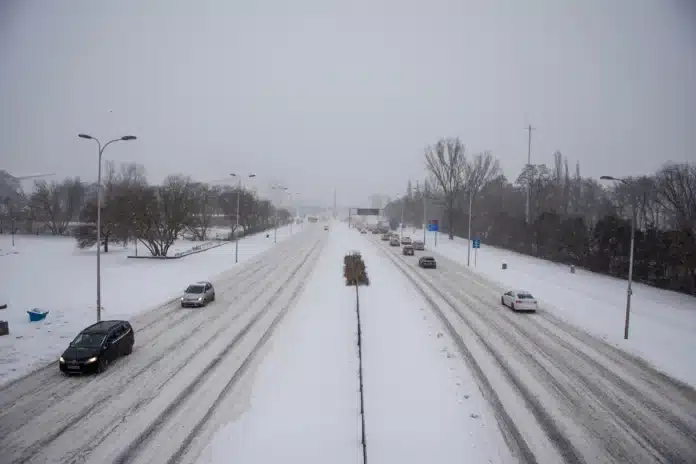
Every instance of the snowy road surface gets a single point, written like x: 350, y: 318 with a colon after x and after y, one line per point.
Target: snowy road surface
x: 560, y: 394
x: 147, y: 407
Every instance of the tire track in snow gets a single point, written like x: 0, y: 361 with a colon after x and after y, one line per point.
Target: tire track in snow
x: 639, y: 428
x: 641, y: 406
x: 19, y: 405
x: 638, y: 368
x: 63, y: 420
x: 511, y: 432
x: 146, y: 437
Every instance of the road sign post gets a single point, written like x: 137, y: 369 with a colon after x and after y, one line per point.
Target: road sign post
x: 476, y: 244
x: 434, y: 226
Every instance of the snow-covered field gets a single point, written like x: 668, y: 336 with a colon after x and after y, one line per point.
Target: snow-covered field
x: 52, y: 274
x: 662, y: 324
x: 422, y: 404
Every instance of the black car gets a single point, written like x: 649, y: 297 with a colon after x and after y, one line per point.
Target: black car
x: 97, y: 346
x: 407, y: 250
x: 427, y: 261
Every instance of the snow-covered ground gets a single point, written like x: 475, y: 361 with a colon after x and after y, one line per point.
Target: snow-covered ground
x: 50, y: 273
x: 421, y: 403
x: 304, y: 404
x: 662, y: 324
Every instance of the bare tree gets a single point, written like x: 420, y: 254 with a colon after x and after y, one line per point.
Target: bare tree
x: 115, y: 221
x: 160, y: 214
x: 204, y: 205
x: 480, y: 170
x: 58, y: 203
x: 677, y: 193
x: 446, y: 162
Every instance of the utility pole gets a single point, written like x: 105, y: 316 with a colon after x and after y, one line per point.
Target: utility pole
x: 334, y: 205
x: 529, y: 129
x: 468, y: 251
x: 629, y: 290
x: 425, y: 213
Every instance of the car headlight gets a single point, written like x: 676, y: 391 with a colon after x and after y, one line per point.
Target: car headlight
x: 61, y: 360
x: 92, y: 359
x: 182, y: 298
x: 200, y: 298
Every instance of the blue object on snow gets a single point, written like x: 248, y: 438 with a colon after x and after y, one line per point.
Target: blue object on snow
x: 37, y: 315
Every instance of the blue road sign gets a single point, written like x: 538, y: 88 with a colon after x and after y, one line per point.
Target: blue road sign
x: 433, y: 226
x: 476, y: 243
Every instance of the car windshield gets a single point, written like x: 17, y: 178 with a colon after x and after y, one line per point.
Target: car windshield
x: 525, y: 296
x: 195, y: 289
x: 88, y: 339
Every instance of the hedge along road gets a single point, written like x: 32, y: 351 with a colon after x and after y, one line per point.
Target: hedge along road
x: 122, y: 410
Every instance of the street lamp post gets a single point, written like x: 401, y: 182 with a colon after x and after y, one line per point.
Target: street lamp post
x: 629, y: 291
x: 425, y: 215
x: 403, y: 205
x: 236, y: 227
x: 275, y: 229
x: 125, y: 138
x: 468, y: 252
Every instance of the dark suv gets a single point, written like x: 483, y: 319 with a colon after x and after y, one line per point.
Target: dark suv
x: 97, y: 346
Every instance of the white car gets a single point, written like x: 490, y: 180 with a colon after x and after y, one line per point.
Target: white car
x: 406, y: 241
x: 519, y: 300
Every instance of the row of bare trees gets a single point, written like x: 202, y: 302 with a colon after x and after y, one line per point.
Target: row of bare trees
x: 573, y: 219
x: 132, y: 209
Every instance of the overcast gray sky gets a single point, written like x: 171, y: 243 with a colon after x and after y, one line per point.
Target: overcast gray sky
x: 320, y: 94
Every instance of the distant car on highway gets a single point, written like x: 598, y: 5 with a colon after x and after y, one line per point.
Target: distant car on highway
x: 96, y: 347
x: 519, y: 300
x: 427, y: 261
x: 363, y: 231
x: 386, y: 237
x: 326, y: 227
x: 418, y: 245
x: 375, y: 231
x: 407, y: 250
x: 406, y: 241
x: 198, y: 294
x: 394, y: 242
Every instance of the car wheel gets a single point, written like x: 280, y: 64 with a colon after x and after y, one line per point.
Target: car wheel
x: 213, y: 299
x: 102, y: 365
x: 502, y: 301
x: 512, y: 306
x: 129, y: 350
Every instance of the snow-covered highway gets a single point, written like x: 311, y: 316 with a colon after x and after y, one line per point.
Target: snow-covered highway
x: 449, y: 375
x: 184, y: 363
x: 560, y: 394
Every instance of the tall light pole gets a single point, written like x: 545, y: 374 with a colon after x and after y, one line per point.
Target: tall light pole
x: 292, y: 206
x: 529, y: 129
x: 629, y: 291
x: 236, y: 227
x: 425, y: 215
x: 468, y: 251
x: 275, y: 229
x: 125, y: 138
x: 403, y: 205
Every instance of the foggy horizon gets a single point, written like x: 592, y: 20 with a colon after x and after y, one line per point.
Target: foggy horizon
x: 345, y: 96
